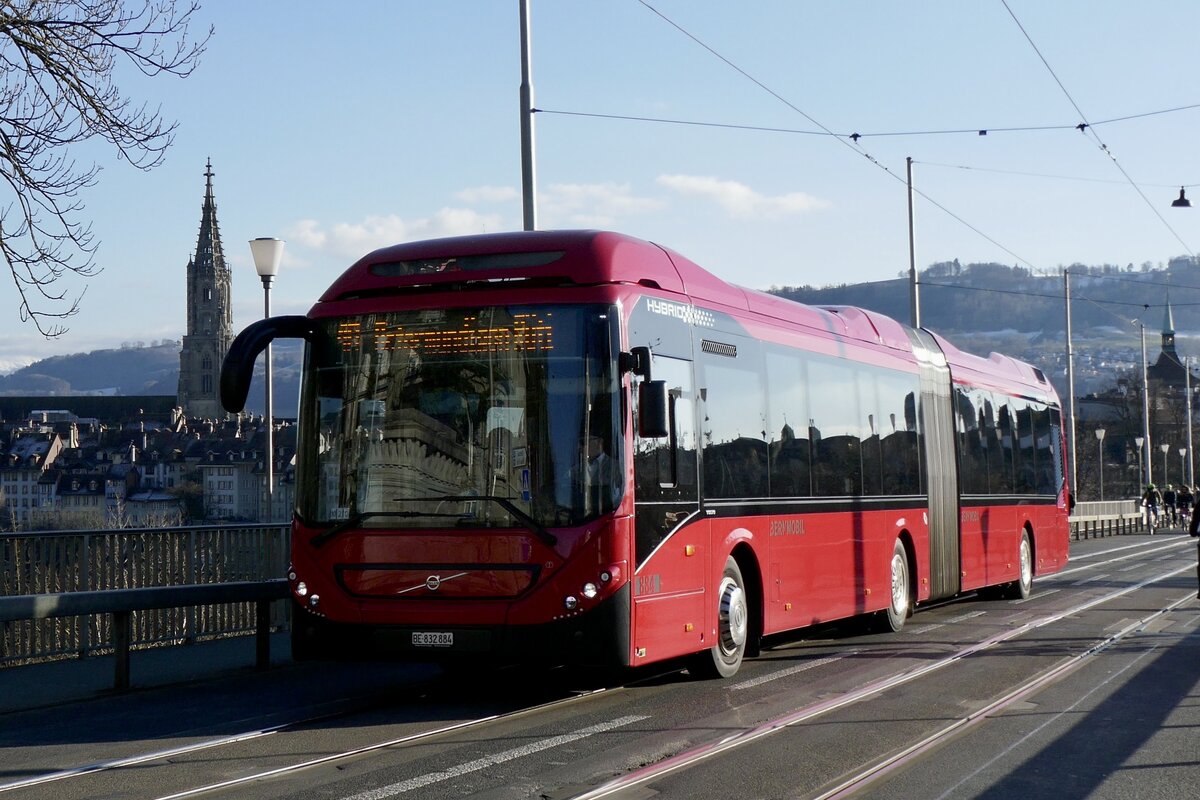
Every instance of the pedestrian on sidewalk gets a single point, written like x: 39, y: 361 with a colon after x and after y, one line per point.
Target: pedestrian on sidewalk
x: 1183, y: 501
x: 1194, y: 522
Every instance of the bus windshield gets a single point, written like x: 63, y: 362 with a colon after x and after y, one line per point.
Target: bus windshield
x: 504, y: 416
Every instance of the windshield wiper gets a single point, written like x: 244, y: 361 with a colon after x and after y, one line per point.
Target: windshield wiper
x: 352, y: 521
x: 356, y: 520
x: 529, y: 522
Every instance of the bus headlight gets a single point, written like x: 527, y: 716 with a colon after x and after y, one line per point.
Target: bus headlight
x: 570, y: 602
x: 302, y: 588
x: 312, y: 601
x: 590, y: 590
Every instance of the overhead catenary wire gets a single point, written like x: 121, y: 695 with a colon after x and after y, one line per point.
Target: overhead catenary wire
x: 850, y: 142
x: 981, y: 130
x: 1089, y: 130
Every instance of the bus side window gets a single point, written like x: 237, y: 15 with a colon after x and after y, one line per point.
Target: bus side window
x: 664, y: 469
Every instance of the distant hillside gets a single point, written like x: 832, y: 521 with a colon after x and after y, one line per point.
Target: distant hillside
x: 144, y: 370
x: 150, y: 370
x: 996, y: 297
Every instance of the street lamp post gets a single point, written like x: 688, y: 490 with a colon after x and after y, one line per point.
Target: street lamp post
x: 1139, y: 441
x: 1100, y: 445
x: 1182, y: 465
x: 1189, y: 473
x: 267, y: 253
x: 1166, y: 448
x: 1146, y: 405
x: 1187, y: 394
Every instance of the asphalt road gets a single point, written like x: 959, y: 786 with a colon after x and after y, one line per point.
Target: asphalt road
x: 1087, y: 689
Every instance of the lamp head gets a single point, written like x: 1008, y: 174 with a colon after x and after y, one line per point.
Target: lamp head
x: 1182, y: 202
x: 267, y: 253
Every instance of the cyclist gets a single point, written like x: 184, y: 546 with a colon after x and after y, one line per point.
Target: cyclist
x: 1151, y: 501
x: 1168, y: 505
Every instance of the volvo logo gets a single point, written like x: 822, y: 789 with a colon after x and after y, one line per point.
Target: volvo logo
x: 432, y: 583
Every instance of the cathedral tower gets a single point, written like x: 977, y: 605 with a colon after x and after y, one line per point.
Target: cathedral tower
x: 209, y: 316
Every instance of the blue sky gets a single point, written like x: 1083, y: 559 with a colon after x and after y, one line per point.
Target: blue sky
x: 378, y: 122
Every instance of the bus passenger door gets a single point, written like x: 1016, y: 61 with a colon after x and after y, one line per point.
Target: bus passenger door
x: 671, y: 540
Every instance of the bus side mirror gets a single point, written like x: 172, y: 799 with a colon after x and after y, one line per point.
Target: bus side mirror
x: 652, y: 410
x: 637, y: 361
x: 238, y: 367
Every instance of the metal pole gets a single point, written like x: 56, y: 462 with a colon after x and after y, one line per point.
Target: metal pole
x: 914, y: 291
x: 528, y: 201
x: 1146, y: 408
x: 1100, y: 447
x: 270, y: 459
x: 1191, y: 459
x: 1074, y: 472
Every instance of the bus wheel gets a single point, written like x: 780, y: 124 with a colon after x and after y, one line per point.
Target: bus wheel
x: 733, y: 624
x: 1022, y: 587
x: 311, y: 637
x: 900, y: 604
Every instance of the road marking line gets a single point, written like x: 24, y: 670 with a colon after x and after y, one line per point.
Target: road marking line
x: 493, y: 760
x: 783, y: 673
x: 1040, y: 594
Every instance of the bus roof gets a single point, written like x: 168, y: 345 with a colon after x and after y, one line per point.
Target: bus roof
x: 593, y: 257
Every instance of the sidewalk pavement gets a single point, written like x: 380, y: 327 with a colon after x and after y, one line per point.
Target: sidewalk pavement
x: 54, y: 683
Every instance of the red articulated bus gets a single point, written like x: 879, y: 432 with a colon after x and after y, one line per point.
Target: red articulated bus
x: 581, y: 447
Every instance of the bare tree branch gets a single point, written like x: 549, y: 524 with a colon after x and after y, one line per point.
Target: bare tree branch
x: 57, y: 89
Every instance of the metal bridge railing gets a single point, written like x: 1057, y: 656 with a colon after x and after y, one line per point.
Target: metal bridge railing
x: 53, y: 562
x: 1106, y: 518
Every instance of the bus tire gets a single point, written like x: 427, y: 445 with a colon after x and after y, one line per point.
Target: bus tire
x: 900, y: 601
x: 310, y: 638
x: 733, y: 627
x: 1022, y: 587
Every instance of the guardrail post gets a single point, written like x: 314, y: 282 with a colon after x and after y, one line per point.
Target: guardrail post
x: 262, y: 634
x: 190, y: 622
x: 122, y: 633
x: 85, y: 583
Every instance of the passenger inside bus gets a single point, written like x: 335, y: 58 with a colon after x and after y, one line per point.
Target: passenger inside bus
x: 594, y: 475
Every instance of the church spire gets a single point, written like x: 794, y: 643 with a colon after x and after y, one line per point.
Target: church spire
x: 1168, y: 318
x: 209, y: 315
x: 1168, y: 331
x: 209, y: 256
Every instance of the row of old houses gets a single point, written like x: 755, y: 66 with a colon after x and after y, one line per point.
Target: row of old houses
x: 60, y: 471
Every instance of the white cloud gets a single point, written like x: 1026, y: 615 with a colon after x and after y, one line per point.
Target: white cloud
x: 488, y: 194
x: 597, y: 205
x: 308, y: 233
x: 739, y: 199
x: 349, y: 241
